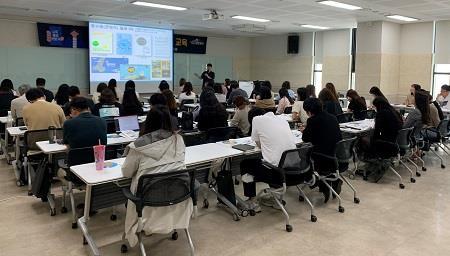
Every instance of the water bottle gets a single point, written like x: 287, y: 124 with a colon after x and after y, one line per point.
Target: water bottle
x: 52, y: 135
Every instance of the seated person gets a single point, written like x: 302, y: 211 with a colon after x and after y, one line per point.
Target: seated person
x: 298, y: 113
x: 40, y: 84
x: 160, y: 99
x: 158, y: 149
x: 240, y: 118
x: 163, y: 85
x: 444, y: 97
x: 357, y: 105
x: 388, y: 123
x: 212, y: 114
x: 218, y: 91
x: 97, y: 93
x: 420, y: 116
x: 62, y: 95
x: 131, y: 85
x: 131, y: 104
x: 435, y: 115
x: 285, y: 100
x: 187, y: 93
x: 236, y: 91
x: 171, y: 102
x: 323, y: 132
x: 74, y: 92
x: 6, y: 96
x: 273, y: 135
x: 330, y: 102
x: 287, y: 86
x: 265, y: 100
x: 18, y: 104
x: 40, y: 114
x: 108, y: 101
x: 256, y: 90
x: 376, y: 92
x: 410, y: 98
x: 437, y: 106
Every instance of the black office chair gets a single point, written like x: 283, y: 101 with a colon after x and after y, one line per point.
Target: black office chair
x: 434, y: 138
x: 19, y: 122
x: 184, y: 102
x: 370, y: 114
x: 110, y: 125
x: 406, y: 153
x: 288, y: 110
x: 295, y: 169
x: 346, y: 153
x: 221, y: 134
x: 345, y: 118
x: 194, y: 138
x: 161, y: 190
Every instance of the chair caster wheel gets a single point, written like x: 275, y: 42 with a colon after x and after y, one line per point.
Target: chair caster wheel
x: 30, y: 193
x: 283, y: 202
x: 301, y: 199
x: 401, y: 186
x: 74, y: 225
x: 341, y: 209
x: 205, y: 204
x: 313, y: 218
x: 424, y: 169
x: 418, y: 174
x: 123, y: 248
x: 175, y: 236
x: 244, y: 213
x: 84, y: 241
x: 52, y: 212
x: 356, y: 200
x: 236, y: 217
x: 252, y: 213
x: 442, y: 166
x: 351, y: 176
x: 289, y: 228
x: 63, y: 209
x: 19, y: 183
x: 413, y: 180
x: 113, y: 217
x: 365, y: 178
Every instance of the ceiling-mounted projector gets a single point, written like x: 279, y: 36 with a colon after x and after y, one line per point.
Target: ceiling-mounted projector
x: 213, y: 15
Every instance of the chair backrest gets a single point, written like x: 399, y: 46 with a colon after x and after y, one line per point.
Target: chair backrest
x: 443, y: 127
x: 31, y: 137
x: 193, y: 139
x: 386, y: 149
x: 187, y: 101
x: 187, y: 121
x: 345, y: 118
x: 77, y: 156
x: 221, y: 134
x: 345, y: 149
x: 111, y: 125
x: 164, y: 189
x: 19, y: 122
x: 288, y: 110
x: 370, y: 114
x: 404, y: 138
x: 296, y: 161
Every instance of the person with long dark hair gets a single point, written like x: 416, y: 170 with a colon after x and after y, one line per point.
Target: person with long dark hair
x: 332, y: 88
x: 256, y: 90
x: 357, y: 105
x: 181, y: 84
x: 420, y: 116
x: 376, y: 92
x: 158, y: 149
x: 9, y: 84
x: 287, y: 86
x: 62, y: 95
x: 107, y: 100
x: 298, y: 113
x: 96, y: 95
x: 410, y: 98
x: 6, y: 96
x: 187, y: 93
x: 330, y: 102
x: 285, y: 100
x: 212, y: 114
x: 131, y: 104
x: 112, y: 85
x: 171, y: 102
x: 310, y: 91
x: 130, y: 85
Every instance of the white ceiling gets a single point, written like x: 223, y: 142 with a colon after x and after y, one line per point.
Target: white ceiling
x: 286, y: 15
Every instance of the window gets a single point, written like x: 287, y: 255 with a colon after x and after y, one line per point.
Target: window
x: 318, y: 78
x: 441, y: 76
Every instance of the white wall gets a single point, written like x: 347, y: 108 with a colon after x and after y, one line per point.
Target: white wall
x: 417, y: 38
x: 368, y: 37
x: 390, y: 38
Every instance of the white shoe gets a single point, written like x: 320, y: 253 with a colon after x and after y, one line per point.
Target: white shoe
x: 269, y: 202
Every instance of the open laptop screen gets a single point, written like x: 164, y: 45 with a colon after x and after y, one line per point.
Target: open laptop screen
x: 127, y: 123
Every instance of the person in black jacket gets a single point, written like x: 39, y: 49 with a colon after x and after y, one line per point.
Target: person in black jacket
x: 6, y: 96
x: 323, y: 132
x: 330, y: 102
x: 40, y: 84
x: 131, y: 104
x: 212, y: 114
x: 357, y: 105
x: 74, y: 92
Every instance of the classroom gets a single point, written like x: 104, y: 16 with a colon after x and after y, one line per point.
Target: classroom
x: 224, y: 127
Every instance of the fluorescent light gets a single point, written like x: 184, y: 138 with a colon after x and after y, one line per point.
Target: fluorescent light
x: 402, y: 18
x: 249, y: 18
x: 162, y: 6
x: 340, y: 5
x: 314, y: 27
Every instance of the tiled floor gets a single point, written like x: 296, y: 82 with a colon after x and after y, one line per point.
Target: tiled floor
x: 389, y: 221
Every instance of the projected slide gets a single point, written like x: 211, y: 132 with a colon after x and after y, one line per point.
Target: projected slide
x: 124, y: 53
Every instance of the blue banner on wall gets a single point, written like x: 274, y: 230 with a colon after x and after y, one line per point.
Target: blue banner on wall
x: 54, y: 35
x: 189, y: 44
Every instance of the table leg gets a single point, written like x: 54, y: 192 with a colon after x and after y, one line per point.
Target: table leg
x: 83, y: 222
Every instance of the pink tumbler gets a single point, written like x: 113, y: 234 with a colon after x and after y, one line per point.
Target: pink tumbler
x: 99, y: 154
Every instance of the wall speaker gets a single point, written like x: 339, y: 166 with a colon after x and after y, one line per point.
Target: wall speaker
x: 293, y: 44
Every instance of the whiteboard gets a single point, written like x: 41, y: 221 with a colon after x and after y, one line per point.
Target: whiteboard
x: 247, y: 86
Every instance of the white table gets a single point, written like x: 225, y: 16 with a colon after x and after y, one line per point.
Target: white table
x: 191, y: 106
x: 16, y: 133
x: 358, y: 127
x: 195, y: 155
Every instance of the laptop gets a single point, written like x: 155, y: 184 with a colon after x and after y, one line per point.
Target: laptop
x: 109, y: 112
x: 127, y: 125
